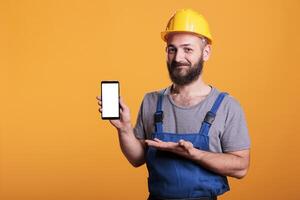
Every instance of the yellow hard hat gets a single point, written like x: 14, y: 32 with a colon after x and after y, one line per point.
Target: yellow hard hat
x: 187, y: 20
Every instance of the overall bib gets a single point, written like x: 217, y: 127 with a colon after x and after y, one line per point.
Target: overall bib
x: 174, y: 177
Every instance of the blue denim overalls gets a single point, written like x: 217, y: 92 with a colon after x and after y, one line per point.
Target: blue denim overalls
x: 174, y: 177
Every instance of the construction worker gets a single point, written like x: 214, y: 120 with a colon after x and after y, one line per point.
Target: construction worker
x: 190, y: 135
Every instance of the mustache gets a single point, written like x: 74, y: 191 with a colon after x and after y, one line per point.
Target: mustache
x: 175, y: 64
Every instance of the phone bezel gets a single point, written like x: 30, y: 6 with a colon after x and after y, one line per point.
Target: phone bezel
x: 111, y: 82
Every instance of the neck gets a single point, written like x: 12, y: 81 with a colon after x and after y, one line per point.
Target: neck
x: 196, y: 88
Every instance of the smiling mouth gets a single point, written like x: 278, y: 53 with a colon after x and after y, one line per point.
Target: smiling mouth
x: 182, y: 67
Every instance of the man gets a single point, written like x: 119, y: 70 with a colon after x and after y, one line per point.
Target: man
x: 190, y: 135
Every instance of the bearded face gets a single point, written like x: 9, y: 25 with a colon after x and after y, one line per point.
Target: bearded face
x: 184, y: 73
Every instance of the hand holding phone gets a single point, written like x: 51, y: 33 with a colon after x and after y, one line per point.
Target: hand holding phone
x: 122, y: 123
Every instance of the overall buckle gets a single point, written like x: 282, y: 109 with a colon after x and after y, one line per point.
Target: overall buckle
x: 209, y: 117
x: 158, y: 116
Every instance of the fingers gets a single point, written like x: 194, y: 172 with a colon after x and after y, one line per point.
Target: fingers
x: 161, y: 144
x: 157, y: 140
x: 98, y: 97
x: 181, y: 142
x: 99, y: 103
x: 151, y: 143
x: 155, y: 143
x: 185, y: 144
x: 99, y: 100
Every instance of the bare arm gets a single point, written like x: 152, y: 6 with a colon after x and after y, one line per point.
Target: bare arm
x: 234, y: 164
x: 132, y: 148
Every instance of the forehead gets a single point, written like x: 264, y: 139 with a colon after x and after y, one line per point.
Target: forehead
x: 178, y: 39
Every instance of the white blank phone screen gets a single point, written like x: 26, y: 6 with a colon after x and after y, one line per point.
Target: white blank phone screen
x: 110, y: 100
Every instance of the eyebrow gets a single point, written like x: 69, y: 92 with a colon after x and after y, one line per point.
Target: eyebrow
x: 184, y: 45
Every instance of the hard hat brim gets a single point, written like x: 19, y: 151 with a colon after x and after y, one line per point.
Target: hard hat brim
x: 164, y: 35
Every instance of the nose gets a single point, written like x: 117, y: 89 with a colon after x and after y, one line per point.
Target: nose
x: 179, y: 56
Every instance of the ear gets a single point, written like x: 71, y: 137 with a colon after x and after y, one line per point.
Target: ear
x: 206, y: 52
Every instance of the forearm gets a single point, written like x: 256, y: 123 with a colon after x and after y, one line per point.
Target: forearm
x: 132, y: 148
x: 225, y: 164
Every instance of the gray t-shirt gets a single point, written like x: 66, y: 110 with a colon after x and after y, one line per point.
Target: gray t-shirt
x: 228, y: 132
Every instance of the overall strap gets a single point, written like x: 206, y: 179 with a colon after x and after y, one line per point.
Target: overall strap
x: 159, y: 114
x: 210, y: 115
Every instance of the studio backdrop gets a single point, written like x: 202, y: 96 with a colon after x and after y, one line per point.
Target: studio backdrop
x: 55, y: 53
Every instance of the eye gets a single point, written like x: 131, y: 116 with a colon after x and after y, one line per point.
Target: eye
x: 188, y: 50
x: 171, y: 50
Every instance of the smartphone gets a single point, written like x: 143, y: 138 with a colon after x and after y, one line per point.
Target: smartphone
x: 110, y: 96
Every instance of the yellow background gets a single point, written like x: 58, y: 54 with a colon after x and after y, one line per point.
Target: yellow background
x: 54, y: 54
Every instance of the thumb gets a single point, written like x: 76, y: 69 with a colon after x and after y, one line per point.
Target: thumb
x: 185, y: 144
x: 122, y: 103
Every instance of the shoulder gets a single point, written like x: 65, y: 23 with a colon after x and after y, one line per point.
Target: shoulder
x: 230, y: 104
x: 229, y: 100
x: 232, y: 109
x: 150, y: 98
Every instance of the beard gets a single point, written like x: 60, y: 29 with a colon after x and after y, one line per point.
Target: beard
x: 191, y: 73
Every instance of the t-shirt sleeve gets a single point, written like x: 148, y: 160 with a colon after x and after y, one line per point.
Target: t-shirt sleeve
x: 139, y: 129
x: 235, y: 136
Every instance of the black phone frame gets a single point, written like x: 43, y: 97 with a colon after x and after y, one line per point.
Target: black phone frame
x: 105, y: 82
